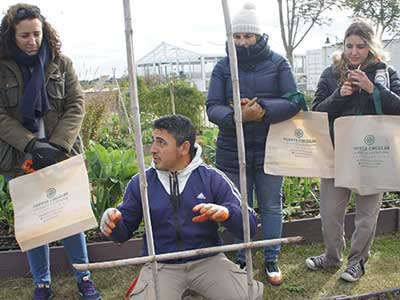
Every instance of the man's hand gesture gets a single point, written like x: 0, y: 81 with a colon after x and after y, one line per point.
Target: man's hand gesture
x: 109, y: 220
x: 210, y: 211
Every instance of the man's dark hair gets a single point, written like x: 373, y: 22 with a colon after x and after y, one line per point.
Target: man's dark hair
x: 180, y: 127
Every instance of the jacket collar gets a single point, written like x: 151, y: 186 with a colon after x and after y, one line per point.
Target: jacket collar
x: 184, y: 174
x: 51, y: 68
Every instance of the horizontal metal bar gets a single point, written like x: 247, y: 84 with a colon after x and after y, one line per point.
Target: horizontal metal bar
x: 365, y: 296
x: 184, y: 254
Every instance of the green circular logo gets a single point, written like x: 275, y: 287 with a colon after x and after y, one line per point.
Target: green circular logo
x: 369, y: 139
x: 51, y: 192
x: 299, y: 133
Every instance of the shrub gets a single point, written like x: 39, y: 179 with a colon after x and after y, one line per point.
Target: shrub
x: 6, y: 208
x: 109, y: 172
x: 208, y: 142
x: 94, y: 119
x: 188, y: 101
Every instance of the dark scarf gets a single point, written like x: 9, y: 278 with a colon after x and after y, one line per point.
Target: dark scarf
x: 249, y: 57
x: 34, y: 101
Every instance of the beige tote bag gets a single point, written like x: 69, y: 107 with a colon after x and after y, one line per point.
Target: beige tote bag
x: 300, y: 147
x: 52, y: 203
x: 367, y: 153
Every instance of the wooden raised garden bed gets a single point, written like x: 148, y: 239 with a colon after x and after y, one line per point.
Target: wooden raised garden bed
x: 14, y: 262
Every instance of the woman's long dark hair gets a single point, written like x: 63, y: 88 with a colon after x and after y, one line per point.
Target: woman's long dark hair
x: 18, y: 13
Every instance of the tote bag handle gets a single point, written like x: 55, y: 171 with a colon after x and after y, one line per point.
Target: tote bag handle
x: 298, y: 96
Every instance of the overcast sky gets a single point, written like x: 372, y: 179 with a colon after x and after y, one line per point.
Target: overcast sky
x: 92, y: 31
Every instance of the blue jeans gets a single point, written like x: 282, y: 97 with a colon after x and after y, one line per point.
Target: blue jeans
x: 268, y: 189
x: 39, y: 258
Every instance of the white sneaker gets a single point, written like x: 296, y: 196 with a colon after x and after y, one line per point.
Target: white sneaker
x: 315, y: 262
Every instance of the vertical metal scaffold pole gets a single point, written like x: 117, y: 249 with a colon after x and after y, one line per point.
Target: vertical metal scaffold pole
x: 240, y: 142
x: 138, y: 139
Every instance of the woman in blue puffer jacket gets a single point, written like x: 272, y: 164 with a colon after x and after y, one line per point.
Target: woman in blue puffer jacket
x: 264, y: 77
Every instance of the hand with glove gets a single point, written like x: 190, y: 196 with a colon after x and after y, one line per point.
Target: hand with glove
x: 210, y: 211
x: 45, y: 154
x: 252, y: 111
x: 109, y: 220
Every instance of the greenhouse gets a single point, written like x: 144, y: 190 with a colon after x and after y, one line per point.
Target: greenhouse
x: 167, y: 60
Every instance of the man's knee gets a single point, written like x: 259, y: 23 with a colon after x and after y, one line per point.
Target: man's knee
x: 241, y: 292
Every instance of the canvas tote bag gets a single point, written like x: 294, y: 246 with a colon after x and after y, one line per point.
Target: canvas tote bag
x: 52, y: 203
x: 367, y: 152
x: 300, y: 146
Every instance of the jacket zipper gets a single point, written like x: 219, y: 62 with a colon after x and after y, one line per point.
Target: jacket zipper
x: 175, y: 201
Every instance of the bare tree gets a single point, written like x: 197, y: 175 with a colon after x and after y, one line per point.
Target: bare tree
x: 385, y: 14
x: 298, y: 17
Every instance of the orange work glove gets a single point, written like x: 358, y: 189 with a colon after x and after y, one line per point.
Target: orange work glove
x: 210, y: 211
x: 109, y: 220
x: 252, y: 111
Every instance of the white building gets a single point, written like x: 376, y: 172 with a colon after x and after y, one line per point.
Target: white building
x: 166, y: 60
x: 300, y: 71
x: 394, y: 54
x: 317, y: 60
x: 196, y: 61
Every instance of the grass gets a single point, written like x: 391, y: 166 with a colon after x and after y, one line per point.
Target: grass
x: 382, y: 272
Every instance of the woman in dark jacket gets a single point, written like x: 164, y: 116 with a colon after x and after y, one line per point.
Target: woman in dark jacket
x: 346, y: 89
x: 264, y: 76
x: 41, y: 112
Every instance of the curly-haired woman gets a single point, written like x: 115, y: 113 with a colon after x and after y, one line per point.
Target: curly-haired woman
x: 41, y: 112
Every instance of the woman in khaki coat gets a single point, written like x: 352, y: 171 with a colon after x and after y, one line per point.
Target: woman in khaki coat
x: 41, y: 112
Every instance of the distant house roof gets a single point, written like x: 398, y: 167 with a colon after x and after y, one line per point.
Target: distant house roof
x: 166, y: 53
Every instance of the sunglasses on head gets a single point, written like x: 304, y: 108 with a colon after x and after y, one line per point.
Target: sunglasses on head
x: 27, y: 13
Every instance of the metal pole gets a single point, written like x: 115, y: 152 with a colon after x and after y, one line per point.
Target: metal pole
x: 171, y: 93
x: 122, y: 104
x: 240, y: 142
x: 138, y: 139
x: 184, y: 254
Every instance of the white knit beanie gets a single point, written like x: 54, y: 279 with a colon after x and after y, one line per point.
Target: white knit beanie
x: 246, y: 21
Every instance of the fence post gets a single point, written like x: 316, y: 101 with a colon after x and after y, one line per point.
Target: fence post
x: 138, y: 139
x: 240, y: 142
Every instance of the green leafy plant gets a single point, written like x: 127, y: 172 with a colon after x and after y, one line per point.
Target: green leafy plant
x: 109, y: 172
x: 309, y: 99
x: 6, y: 208
x: 296, y: 191
x: 115, y: 135
x: 208, y: 142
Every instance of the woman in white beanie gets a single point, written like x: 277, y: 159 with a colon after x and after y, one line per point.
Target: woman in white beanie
x: 264, y: 77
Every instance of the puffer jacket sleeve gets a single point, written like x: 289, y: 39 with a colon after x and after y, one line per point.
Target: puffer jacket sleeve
x: 131, y: 211
x: 327, y: 99
x: 280, y: 109
x: 226, y: 194
x: 69, y: 125
x: 218, y: 111
x: 390, y: 98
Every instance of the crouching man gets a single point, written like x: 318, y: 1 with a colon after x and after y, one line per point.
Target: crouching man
x: 188, y: 200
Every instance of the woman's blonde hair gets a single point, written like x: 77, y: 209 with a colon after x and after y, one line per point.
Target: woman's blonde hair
x: 365, y: 31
